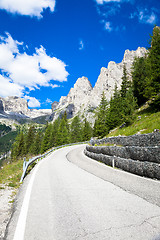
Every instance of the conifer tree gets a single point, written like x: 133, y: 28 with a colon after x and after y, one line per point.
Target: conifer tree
x: 46, y: 139
x: 18, y: 148
x: 36, y: 146
x: 95, y: 128
x: 87, y: 131
x: 29, y: 139
x: 153, y: 61
x: 54, y: 134
x: 139, y: 74
x: 129, y: 105
x: 114, y: 115
x: 63, y: 133
x: 75, y: 130
x: 125, y: 82
x: 100, y: 126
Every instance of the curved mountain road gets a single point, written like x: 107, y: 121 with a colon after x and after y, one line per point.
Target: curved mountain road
x: 61, y: 201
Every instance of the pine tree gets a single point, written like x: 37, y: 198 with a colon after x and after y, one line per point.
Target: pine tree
x: 53, y: 142
x: 36, y: 146
x: 139, y: 74
x: 29, y: 140
x: 95, y: 128
x: 114, y: 114
x: 125, y: 82
x: 100, y: 127
x: 46, y: 139
x: 18, y: 148
x: 75, y: 130
x: 129, y: 105
x: 63, y: 133
x: 87, y: 131
x: 153, y: 65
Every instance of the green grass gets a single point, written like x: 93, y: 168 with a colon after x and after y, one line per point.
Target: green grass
x: 11, y: 173
x: 148, y: 123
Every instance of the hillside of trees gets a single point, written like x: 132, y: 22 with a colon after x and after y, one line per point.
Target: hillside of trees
x: 145, y: 85
x: 36, y: 141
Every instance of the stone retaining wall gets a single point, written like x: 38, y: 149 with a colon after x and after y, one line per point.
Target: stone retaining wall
x: 143, y: 158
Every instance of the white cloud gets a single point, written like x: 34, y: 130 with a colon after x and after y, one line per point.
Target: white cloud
x: 54, y: 85
x: 8, y: 88
x: 106, y: 1
x: 48, y: 100
x: 144, y: 16
x: 27, y: 7
x: 55, y: 67
x: 81, y: 45
x: 32, y: 102
x: 22, y: 71
x: 151, y: 19
x: 108, y: 26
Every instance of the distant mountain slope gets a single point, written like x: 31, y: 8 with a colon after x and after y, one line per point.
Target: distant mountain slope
x: 15, y: 109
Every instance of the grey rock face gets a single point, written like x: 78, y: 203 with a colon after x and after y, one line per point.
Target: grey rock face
x: 1, y: 106
x: 76, y: 100
x: 15, y: 104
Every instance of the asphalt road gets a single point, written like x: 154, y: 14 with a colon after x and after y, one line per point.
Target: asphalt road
x: 61, y: 201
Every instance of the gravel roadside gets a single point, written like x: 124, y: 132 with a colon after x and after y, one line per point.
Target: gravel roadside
x: 7, y: 195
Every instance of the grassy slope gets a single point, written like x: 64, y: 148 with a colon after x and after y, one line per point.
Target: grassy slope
x: 148, y: 123
x: 11, y: 173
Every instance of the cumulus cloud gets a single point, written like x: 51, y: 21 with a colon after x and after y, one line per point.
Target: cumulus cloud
x: 33, y: 8
x: 32, y: 102
x: 22, y: 72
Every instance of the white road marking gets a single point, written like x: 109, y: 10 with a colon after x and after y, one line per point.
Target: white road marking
x: 20, y: 228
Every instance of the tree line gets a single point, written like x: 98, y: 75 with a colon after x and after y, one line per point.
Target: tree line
x: 36, y: 141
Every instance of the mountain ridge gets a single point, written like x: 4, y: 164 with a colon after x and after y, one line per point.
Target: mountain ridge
x: 82, y: 98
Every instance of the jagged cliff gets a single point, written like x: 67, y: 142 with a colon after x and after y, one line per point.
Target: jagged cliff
x: 83, y: 98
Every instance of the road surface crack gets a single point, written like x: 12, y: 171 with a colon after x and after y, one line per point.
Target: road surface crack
x: 118, y: 228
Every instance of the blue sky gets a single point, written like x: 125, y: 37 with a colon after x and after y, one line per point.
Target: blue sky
x: 46, y: 45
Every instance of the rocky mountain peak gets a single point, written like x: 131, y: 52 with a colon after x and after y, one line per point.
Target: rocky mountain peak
x: 83, y: 82
x: 83, y: 98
